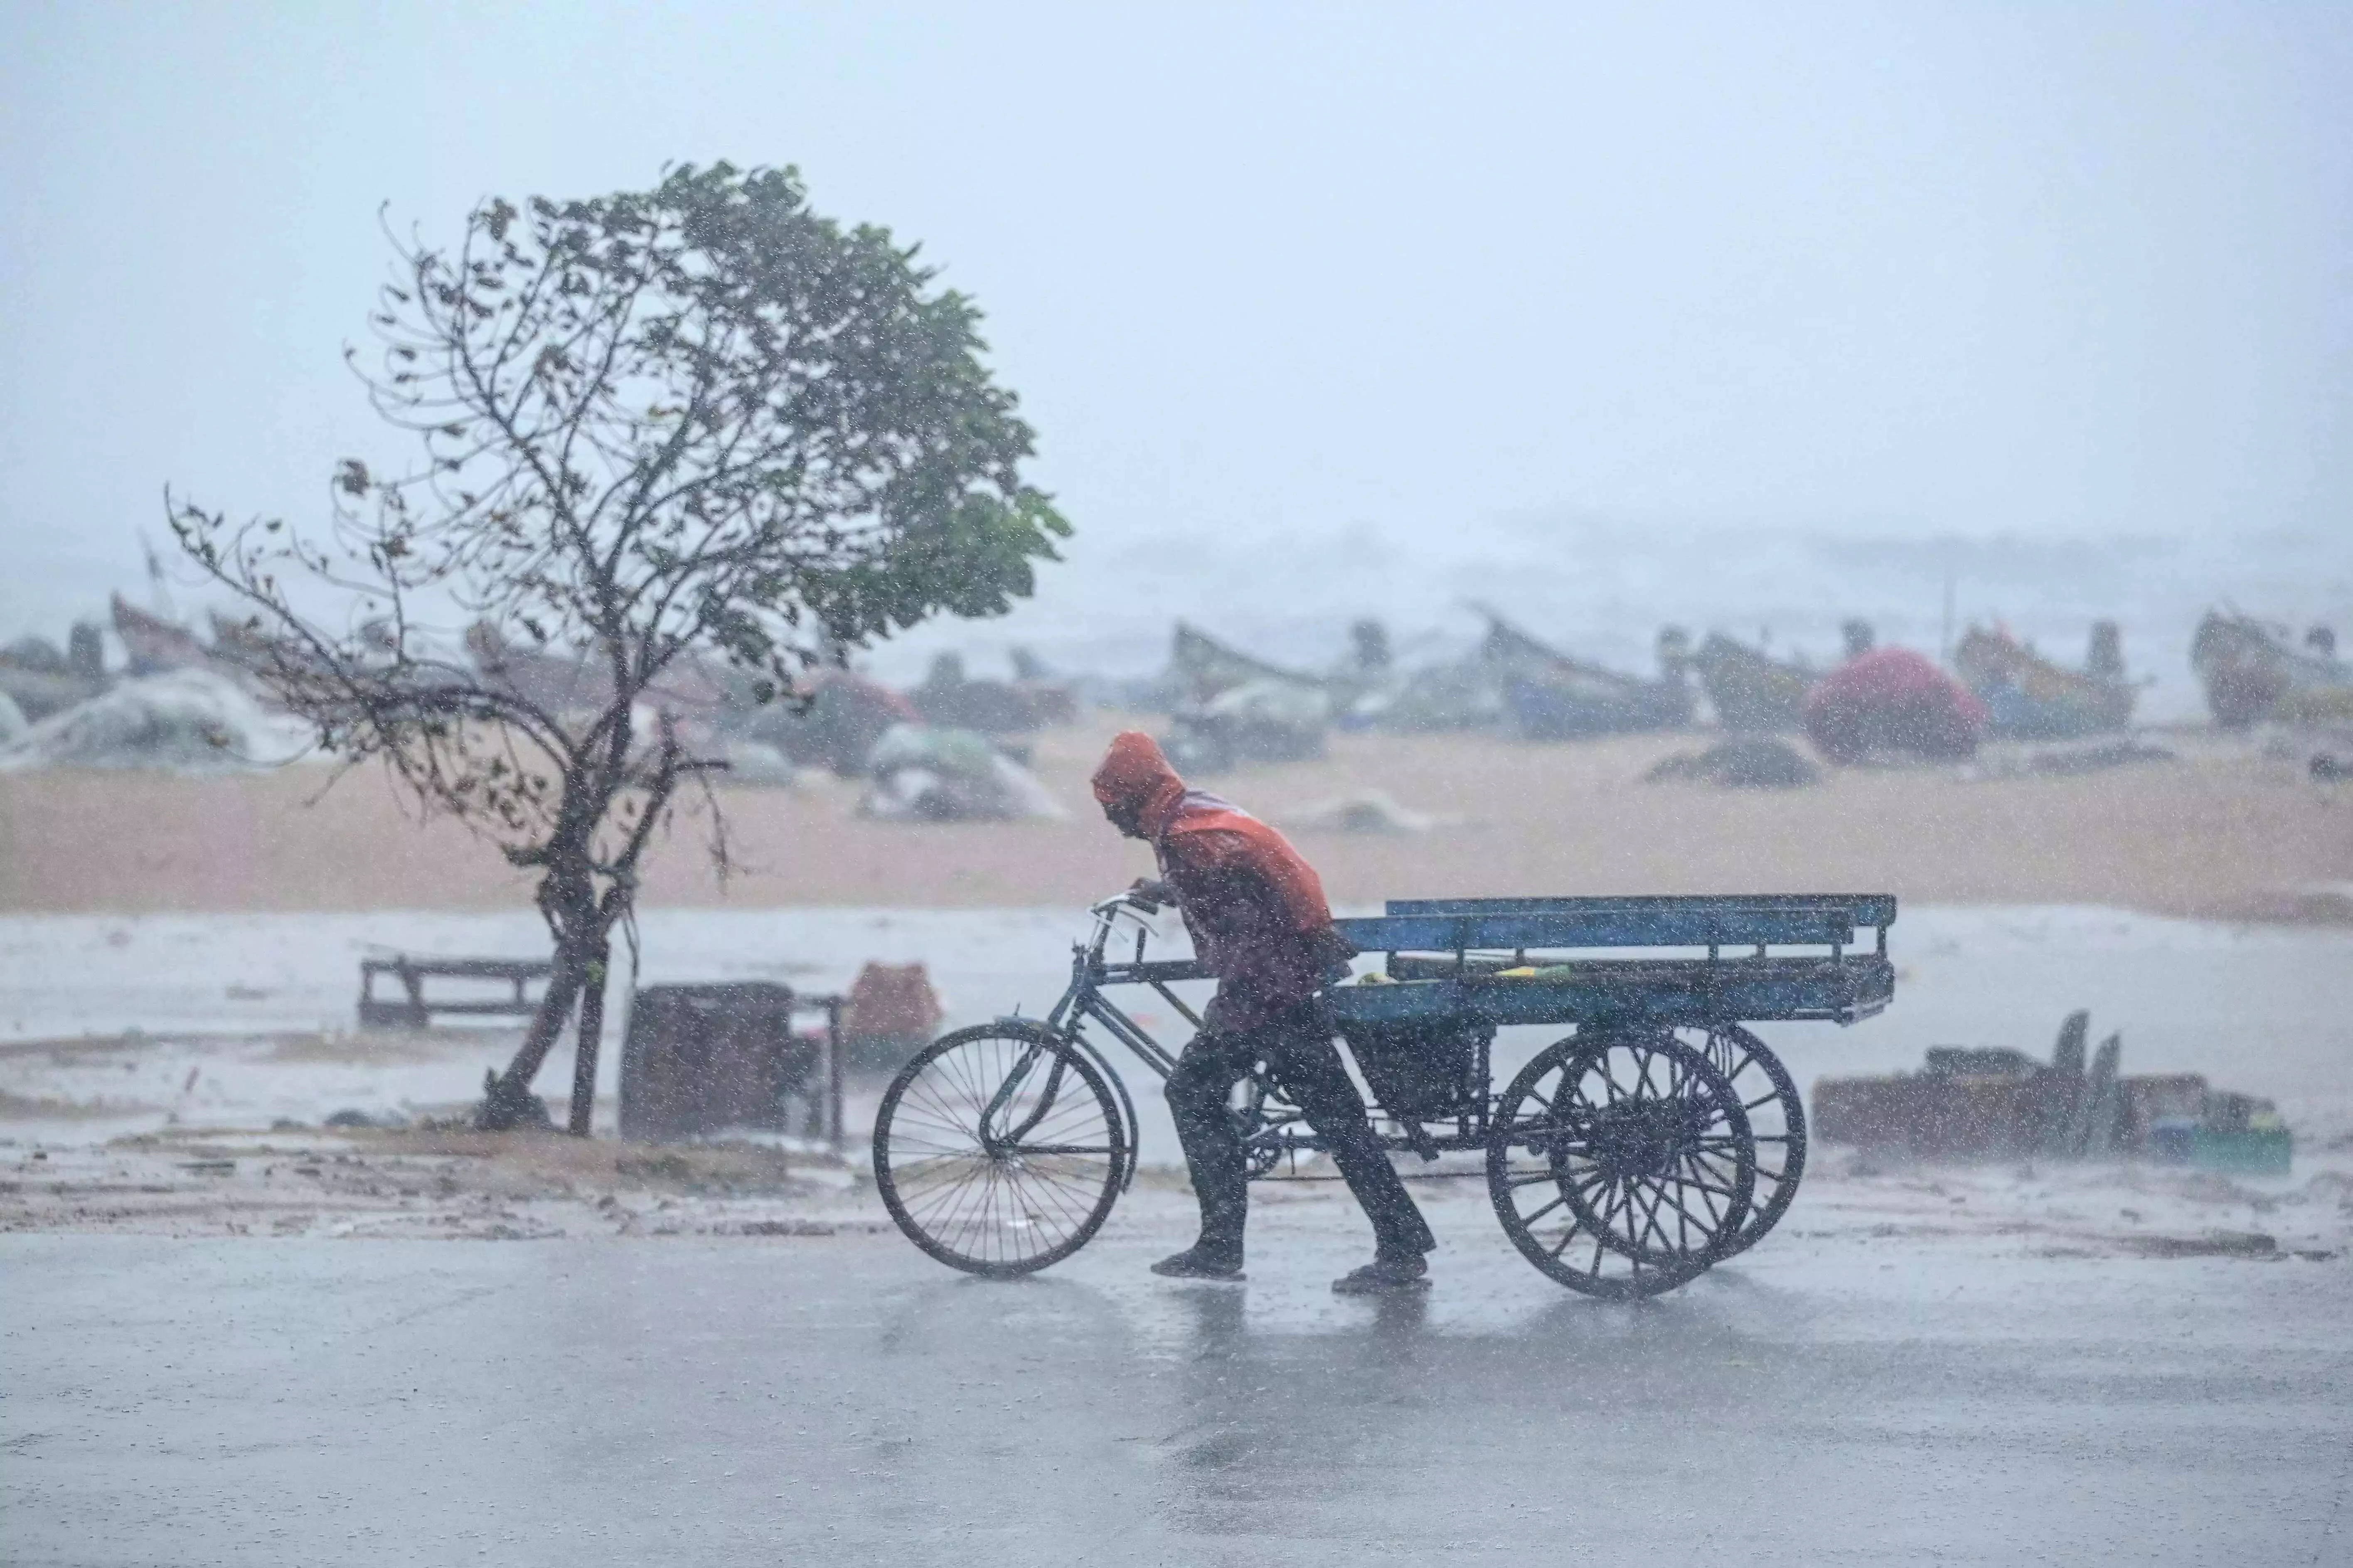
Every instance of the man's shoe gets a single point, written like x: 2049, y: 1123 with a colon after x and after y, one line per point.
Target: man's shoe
x: 1403, y: 1272
x: 1194, y: 1263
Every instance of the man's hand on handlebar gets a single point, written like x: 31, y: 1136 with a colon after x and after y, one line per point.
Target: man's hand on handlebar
x: 1150, y: 896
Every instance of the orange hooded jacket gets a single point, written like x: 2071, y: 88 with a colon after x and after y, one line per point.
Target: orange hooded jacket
x: 1256, y: 910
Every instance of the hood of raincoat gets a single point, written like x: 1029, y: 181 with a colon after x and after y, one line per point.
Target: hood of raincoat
x: 1135, y: 777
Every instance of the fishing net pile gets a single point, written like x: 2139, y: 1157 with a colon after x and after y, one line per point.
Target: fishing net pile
x: 184, y: 721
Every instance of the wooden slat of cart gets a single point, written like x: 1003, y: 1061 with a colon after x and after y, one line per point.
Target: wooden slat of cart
x: 1659, y: 990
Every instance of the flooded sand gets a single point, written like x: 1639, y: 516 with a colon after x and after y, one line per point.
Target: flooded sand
x: 174, y: 1072
x: 122, y: 1009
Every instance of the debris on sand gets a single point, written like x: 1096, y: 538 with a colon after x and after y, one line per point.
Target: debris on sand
x: 2064, y: 761
x: 2213, y: 1244
x: 184, y: 722
x: 1994, y: 1103
x: 2097, y: 759
x: 377, y: 1120
x: 951, y: 775
x: 506, y: 1107
x: 1366, y: 811
x: 1751, y: 762
x: 431, y: 1180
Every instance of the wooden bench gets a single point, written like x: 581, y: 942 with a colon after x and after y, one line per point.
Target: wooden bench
x: 414, y: 1008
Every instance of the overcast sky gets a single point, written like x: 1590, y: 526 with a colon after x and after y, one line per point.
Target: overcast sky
x: 1270, y: 271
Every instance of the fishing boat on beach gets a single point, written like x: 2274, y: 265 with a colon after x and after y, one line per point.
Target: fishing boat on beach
x: 154, y: 643
x: 2253, y: 670
x: 2030, y: 698
x: 1552, y: 697
x: 1751, y: 689
x: 1205, y: 668
x: 1231, y: 707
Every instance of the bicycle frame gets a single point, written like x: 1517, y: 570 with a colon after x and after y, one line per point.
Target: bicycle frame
x: 1091, y: 972
x: 1084, y: 1000
x: 1276, y: 1130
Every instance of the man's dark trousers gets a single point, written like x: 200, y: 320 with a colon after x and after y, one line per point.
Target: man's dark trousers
x: 1297, y: 1048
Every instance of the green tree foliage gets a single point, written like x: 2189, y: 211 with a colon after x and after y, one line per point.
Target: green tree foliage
x: 692, y: 439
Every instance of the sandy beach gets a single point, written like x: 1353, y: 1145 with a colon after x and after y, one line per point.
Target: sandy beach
x: 2224, y: 831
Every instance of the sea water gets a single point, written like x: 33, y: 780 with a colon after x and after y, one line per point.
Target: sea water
x: 1602, y: 588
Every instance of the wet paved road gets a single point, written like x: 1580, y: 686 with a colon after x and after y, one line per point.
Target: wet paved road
x: 844, y: 1400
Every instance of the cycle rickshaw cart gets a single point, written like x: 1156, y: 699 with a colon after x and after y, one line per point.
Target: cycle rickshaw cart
x: 1659, y: 1137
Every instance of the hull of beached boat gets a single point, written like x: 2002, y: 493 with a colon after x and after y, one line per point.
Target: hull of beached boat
x: 1751, y: 691
x: 1551, y: 697
x: 2253, y: 672
x: 2032, y: 699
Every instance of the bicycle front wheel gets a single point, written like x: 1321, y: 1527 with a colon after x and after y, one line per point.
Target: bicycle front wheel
x: 999, y: 1150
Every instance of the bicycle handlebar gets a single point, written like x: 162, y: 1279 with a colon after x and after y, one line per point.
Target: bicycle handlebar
x: 1129, y: 899
x: 1107, y: 913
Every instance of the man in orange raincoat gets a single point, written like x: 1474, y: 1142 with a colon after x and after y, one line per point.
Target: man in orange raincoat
x: 1261, y: 924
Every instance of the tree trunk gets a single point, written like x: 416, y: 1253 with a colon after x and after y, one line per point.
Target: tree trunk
x: 507, y: 1101
x: 588, y: 1039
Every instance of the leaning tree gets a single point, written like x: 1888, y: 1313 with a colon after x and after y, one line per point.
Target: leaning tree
x: 666, y: 434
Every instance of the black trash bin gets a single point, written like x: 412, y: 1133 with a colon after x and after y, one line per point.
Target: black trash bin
x: 700, y: 1059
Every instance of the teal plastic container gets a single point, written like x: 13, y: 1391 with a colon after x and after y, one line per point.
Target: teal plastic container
x: 2250, y: 1151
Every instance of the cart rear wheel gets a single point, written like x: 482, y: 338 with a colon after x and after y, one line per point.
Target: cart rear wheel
x: 1777, y: 1122
x: 999, y: 1150
x: 1621, y: 1162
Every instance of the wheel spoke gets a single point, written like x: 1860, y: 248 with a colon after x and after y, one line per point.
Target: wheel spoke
x: 1530, y: 1218
x: 1715, y: 1215
x: 1026, y: 1202
x: 1727, y: 1194
x: 1648, y: 1213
